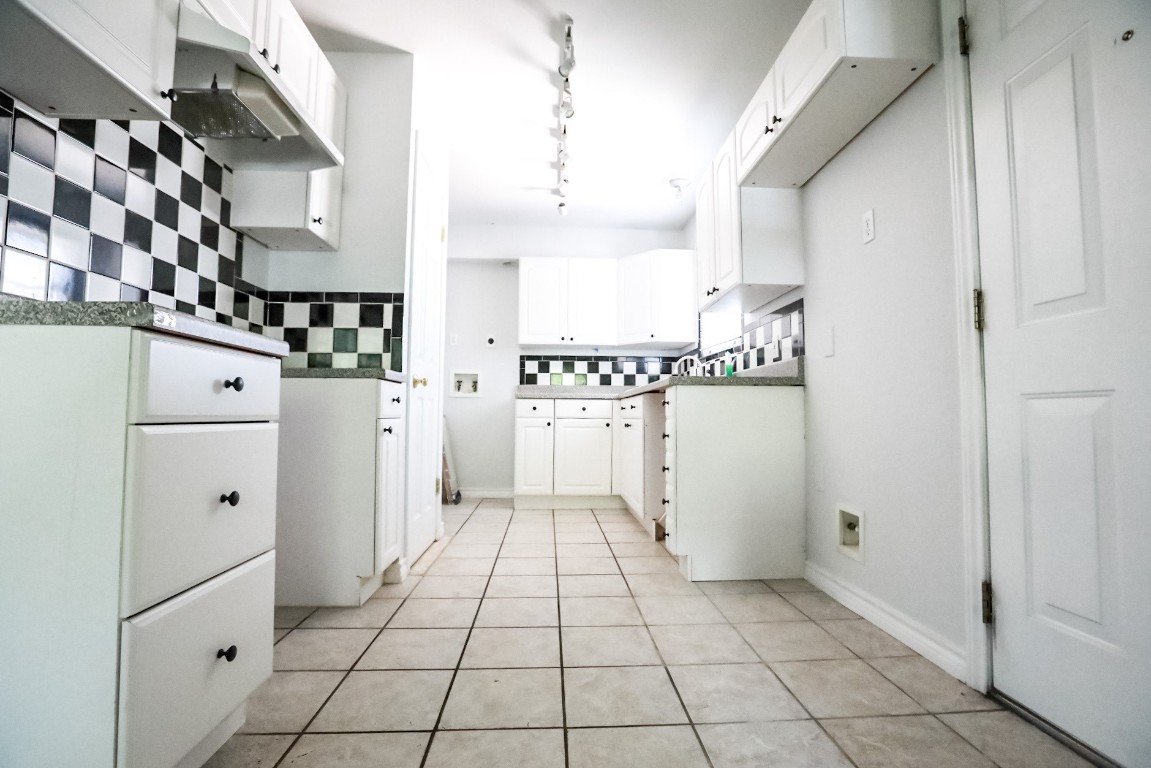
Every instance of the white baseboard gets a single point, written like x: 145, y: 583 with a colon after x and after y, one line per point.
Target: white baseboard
x: 486, y: 493
x: 919, y: 638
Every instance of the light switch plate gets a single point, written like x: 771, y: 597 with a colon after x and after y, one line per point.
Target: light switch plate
x: 869, y: 225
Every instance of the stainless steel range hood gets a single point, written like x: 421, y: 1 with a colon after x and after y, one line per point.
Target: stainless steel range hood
x: 227, y: 94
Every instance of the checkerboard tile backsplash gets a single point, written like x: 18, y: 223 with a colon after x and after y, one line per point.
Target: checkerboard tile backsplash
x: 338, y: 330
x: 593, y: 371
x: 769, y: 337
x: 112, y: 210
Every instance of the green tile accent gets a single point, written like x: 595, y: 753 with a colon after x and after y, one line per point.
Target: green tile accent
x: 581, y: 379
x: 319, y: 360
x: 370, y: 361
x: 397, y: 355
x: 557, y: 379
x: 344, y: 339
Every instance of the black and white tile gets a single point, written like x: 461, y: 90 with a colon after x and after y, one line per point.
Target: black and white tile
x: 769, y: 337
x: 338, y: 330
x: 593, y: 371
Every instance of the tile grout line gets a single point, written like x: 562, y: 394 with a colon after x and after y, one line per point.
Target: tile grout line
x: 560, y: 631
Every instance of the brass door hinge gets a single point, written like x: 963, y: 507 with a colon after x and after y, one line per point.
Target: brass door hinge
x: 977, y: 308
x: 988, y: 611
x: 964, y: 45
x: 437, y: 486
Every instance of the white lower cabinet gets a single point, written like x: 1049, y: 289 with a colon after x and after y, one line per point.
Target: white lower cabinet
x: 136, y: 558
x: 534, y: 455
x: 339, y: 522
x: 582, y: 457
x: 638, y: 453
x: 563, y: 448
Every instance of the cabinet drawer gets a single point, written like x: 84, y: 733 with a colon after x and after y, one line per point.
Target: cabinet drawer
x: 633, y: 407
x: 581, y: 409
x: 174, y: 380
x: 391, y: 400
x: 177, y: 532
x: 534, y: 408
x: 174, y: 688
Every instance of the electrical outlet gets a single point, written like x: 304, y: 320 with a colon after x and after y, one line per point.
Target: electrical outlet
x: 869, y: 225
x: 453, y: 339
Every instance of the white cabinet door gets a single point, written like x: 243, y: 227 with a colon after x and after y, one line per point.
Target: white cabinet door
x: 636, y: 318
x: 583, y: 457
x: 534, y: 452
x: 757, y: 127
x: 809, y: 55
x: 617, y: 437
x: 542, y: 300
x: 631, y: 463
x: 675, y: 316
x: 246, y: 17
x: 289, y: 210
x: 728, y: 258
x: 591, y: 302
x: 331, y: 102
x: 292, y: 51
x: 389, y: 492
x: 705, y: 240
x: 325, y: 201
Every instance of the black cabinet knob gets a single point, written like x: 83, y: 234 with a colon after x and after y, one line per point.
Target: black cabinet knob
x: 776, y: 119
x: 276, y: 69
x: 236, y: 384
x: 549, y: 423
x: 563, y: 338
x: 396, y: 400
x: 232, y: 498
x: 653, y: 335
x: 228, y: 655
x: 388, y: 430
x: 768, y: 129
x: 666, y: 469
x: 264, y: 53
x: 665, y: 501
x: 169, y: 94
x: 633, y: 407
x: 608, y: 424
x: 667, y: 402
x: 627, y: 425
x: 583, y: 407
x: 533, y: 407
x: 666, y: 435
x: 318, y: 220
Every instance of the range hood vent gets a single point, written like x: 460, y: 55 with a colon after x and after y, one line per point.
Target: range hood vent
x: 243, y: 107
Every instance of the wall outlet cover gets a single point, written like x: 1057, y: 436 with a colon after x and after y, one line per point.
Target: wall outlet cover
x: 869, y: 225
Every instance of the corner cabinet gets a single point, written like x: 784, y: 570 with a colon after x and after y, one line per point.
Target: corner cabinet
x: 657, y: 302
x: 145, y: 465
x: 638, y: 455
x: 69, y: 58
x: 340, y: 518
x: 566, y: 302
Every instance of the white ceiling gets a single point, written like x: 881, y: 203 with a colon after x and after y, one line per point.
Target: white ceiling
x: 657, y: 86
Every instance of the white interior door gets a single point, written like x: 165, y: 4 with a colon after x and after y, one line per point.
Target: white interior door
x: 1061, y: 109
x: 425, y: 312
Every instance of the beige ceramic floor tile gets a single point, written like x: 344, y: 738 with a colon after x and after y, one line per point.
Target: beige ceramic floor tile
x: 462, y: 566
x: 525, y: 566
x: 903, y: 742
x: 1011, y: 742
x: 593, y: 586
x: 522, y: 586
x: 627, y: 536
x: 652, y: 747
x: 583, y: 550
x: 402, y: 589
x: 640, y: 549
x: 250, y: 751
x: 818, y: 606
x: 287, y: 700
x: 662, y: 564
x: 450, y: 586
x: 745, y: 609
x: 289, y: 618
x: 726, y: 693
x: 793, y: 641
x: 701, y: 644
x: 504, y: 698
x: 620, y: 696
x: 580, y: 537
x: 497, y: 749
x: 532, y: 535
x: 933, y: 688
x: 471, y: 550
x: 385, y: 701
x: 678, y: 609
x: 843, y: 688
x: 372, y: 614
x: 357, y: 750
x: 587, y: 565
x: 608, y: 646
x: 644, y: 584
x: 865, y: 639
x: 518, y: 612
x: 792, y: 585
x: 732, y: 587
x: 528, y: 550
x: 512, y: 647
x: 794, y: 744
x: 313, y: 649
x: 415, y: 649
x: 429, y: 614
x: 279, y: 634
x: 599, y: 612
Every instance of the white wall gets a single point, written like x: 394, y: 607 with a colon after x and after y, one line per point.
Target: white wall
x: 511, y: 242
x: 374, y: 225
x: 882, y: 411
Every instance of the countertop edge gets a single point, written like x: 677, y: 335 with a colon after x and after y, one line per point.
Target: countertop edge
x: 382, y: 374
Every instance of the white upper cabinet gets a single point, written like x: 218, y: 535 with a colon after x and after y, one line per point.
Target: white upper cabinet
x: 844, y: 63
x: 330, y: 103
x: 728, y: 268
x: 292, y: 51
x: 289, y: 210
x: 90, y: 58
x: 246, y: 17
x: 657, y: 303
x: 705, y: 238
x: 567, y: 301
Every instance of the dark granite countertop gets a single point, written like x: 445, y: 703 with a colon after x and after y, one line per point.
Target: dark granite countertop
x: 788, y: 373
x: 135, y: 314
x: 383, y: 374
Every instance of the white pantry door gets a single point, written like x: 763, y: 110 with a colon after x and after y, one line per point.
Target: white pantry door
x: 1062, y: 117
x: 425, y: 348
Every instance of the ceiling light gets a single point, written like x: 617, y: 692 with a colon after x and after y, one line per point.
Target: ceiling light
x: 562, y: 208
x: 679, y: 185
x: 567, y: 64
x: 566, y: 109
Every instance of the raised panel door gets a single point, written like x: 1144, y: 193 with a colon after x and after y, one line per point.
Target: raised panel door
x: 582, y: 457
x: 675, y: 315
x: 591, y: 302
x: 636, y: 299
x: 542, y: 300
x: 727, y: 219
x: 809, y: 56
x: 389, y: 492
x: 705, y: 241
x: 533, y: 456
x: 293, y: 52
x: 757, y: 127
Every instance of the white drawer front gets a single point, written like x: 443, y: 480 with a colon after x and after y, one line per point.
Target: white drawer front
x: 581, y: 409
x: 174, y: 688
x: 526, y: 409
x: 391, y: 400
x: 633, y: 406
x: 177, y: 532
x: 174, y: 380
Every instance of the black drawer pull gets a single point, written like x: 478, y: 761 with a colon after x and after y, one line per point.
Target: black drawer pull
x: 666, y: 469
x: 549, y: 423
x: 236, y: 384
x: 667, y: 402
x: 633, y: 407
x: 608, y: 424
x: 318, y: 220
x: 396, y: 400
x: 583, y: 407
x: 665, y: 501
x: 232, y: 498
x: 627, y: 425
x: 228, y: 655
x: 666, y: 435
x: 388, y: 430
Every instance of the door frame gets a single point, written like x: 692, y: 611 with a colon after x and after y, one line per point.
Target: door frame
x: 972, y: 384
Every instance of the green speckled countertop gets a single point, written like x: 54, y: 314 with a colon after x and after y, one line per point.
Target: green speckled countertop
x: 135, y: 314
x: 382, y: 374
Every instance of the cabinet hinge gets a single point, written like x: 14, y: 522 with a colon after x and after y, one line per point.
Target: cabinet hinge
x: 437, y: 486
x: 977, y: 308
x: 988, y: 613
x: 964, y: 47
